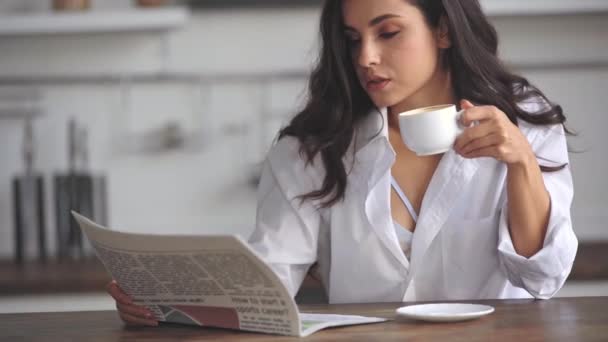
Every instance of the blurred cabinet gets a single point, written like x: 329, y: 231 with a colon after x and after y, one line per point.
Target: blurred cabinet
x: 93, y: 21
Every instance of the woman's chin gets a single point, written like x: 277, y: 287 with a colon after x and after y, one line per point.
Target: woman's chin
x: 383, y: 101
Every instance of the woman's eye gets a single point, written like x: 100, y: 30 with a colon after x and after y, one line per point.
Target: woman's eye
x: 389, y: 35
x: 353, y: 41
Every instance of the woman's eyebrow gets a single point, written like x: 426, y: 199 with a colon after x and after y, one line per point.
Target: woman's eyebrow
x: 377, y: 20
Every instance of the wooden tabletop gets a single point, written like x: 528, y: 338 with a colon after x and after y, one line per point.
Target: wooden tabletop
x: 559, y: 319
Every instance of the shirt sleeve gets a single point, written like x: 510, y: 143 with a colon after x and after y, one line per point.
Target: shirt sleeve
x: 544, y: 273
x: 286, y: 230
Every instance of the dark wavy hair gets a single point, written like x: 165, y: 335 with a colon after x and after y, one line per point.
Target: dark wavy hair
x: 337, y: 101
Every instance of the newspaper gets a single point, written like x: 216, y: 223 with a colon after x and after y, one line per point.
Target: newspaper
x: 215, y: 281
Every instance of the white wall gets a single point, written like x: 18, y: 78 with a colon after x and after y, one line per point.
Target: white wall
x: 205, y: 189
x: 567, y: 57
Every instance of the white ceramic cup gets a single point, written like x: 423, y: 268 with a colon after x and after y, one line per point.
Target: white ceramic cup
x: 430, y: 130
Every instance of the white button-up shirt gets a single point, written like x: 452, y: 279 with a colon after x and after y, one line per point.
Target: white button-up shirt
x: 461, y: 248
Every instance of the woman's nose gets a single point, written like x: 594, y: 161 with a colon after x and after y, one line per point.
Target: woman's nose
x: 368, y: 55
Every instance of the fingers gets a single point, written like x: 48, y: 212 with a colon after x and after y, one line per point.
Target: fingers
x: 481, y: 113
x: 135, y: 310
x: 137, y: 321
x: 136, y: 315
x: 118, y: 294
x: 466, y: 104
x: 477, y: 145
x: 471, y: 134
x: 494, y: 151
x: 130, y: 313
x: 495, y: 136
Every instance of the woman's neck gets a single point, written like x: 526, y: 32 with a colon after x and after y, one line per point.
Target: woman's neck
x: 437, y: 91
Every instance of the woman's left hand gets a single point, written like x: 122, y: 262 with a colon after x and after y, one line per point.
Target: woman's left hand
x: 494, y: 136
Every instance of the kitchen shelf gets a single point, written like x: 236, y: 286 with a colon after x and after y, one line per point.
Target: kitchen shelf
x: 93, y: 21
x: 492, y: 7
x: 543, y: 7
x: 20, y: 113
x: 194, y: 77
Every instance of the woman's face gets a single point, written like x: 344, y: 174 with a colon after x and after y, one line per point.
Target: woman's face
x: 394, y: 50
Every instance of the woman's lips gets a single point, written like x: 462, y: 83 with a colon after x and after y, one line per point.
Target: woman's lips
x: 377, y: 85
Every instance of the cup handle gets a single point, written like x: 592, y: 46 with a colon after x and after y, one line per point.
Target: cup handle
x: 460, y: 126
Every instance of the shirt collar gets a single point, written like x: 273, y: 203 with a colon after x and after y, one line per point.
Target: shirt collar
x: 373, y: 126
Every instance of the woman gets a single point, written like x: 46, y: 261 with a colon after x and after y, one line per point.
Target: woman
x: 489, y: 218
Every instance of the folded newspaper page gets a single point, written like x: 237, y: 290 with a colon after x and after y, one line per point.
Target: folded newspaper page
x: 215, y: 281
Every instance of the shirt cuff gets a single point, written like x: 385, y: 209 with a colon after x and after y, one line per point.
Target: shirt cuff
x: 544, y: 273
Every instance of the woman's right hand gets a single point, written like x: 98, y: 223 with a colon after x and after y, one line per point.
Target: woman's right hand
x: 130, y: 313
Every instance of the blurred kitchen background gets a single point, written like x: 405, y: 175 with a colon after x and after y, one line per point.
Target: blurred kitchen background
x: 154, y: 116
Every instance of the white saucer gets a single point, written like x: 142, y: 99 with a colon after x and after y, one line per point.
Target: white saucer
x: 448, y: 312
